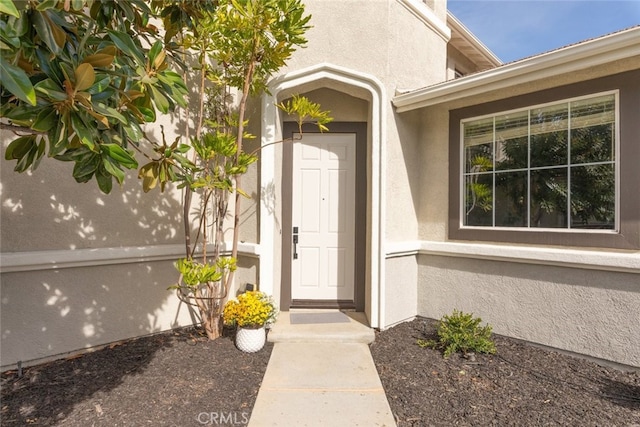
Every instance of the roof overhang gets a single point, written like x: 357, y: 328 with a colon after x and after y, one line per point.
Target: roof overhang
x: 470, y: 46
x: 607, y: 49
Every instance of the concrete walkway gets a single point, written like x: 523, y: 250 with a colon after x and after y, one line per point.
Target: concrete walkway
x: 321, y: 374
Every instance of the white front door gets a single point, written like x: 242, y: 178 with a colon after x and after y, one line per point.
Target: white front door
x: 324, y: 217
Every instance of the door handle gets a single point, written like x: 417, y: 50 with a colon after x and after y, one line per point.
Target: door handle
x: 295, y: 242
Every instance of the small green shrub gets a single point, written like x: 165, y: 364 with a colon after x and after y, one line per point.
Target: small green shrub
x: 462, y: 332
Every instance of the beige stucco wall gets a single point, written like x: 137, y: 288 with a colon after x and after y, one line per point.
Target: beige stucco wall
x: 55, y: 237
x: 584, y: 310
x: 86, y: 271
x: 46, y: 214
x: 47, y: 210
x: 383, y: 39
x: 401, y: 292
x: 50, y: 312
x: 386, y: 46
x: 589, y: 312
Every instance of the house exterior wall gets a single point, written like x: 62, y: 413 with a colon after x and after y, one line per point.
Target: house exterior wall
x: 590, y: 306
x: 594, y: 313
x: 81, y: 269
x: 377, y: 41
x: 386, y: 42
x: 401, y: 296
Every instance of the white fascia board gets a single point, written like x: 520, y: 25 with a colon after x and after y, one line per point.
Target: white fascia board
x: 426, y: 15
x: 470, y: 38
x: 607, y: 49
x: 623, y: 262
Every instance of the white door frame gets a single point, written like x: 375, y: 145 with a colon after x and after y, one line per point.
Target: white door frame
x: 271, y: 131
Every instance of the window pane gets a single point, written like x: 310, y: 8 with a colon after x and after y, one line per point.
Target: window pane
x: 549, y: 131
x: 592, y: 130
x: 511, y: 199
x: 550, y: 166
x: 593, y: 197
x: 479, y: 199
x: 549, y: 198
x: 478, y: 145
x: 512, y: 136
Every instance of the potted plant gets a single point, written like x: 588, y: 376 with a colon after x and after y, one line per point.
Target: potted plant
x: 251, y: 312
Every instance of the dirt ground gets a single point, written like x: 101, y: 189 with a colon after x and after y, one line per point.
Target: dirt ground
x: 181, y: 379
x: 173, y: 379
x: 521, y: 385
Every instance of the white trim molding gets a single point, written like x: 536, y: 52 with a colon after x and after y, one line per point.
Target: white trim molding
x: 327, y: 74
x: 623, y: 262
x: 607, y: 49
x: 60, y: 259
x: 489, y: 59
x: 426, y: 15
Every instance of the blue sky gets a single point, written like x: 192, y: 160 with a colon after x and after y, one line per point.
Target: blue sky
x: 515, y: 29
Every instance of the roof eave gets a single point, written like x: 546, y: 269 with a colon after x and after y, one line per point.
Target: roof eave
x: 458, y: 27
x: 614, y: 47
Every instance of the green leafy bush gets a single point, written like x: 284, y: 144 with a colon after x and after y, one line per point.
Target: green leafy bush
x: 462, y: 332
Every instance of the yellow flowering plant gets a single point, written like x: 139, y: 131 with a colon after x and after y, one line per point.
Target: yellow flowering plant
x: 252, y: 309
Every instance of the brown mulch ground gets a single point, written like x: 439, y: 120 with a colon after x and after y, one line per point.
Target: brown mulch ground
x: 521, y: 385
x: 181, y: 379
x: 173, y: 379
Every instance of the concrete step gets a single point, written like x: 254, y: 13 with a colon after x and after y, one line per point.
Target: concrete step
x: 341, y: 327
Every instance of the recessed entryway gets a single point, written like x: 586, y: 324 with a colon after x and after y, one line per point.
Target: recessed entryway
x: 324, y: 218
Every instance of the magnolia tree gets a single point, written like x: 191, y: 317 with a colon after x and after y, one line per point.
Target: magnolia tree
x: 80, y: 78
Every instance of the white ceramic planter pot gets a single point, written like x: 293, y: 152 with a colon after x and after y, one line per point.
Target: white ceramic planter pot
x: 250, y: 340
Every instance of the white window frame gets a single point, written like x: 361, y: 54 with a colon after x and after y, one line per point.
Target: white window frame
x: 568, y: 229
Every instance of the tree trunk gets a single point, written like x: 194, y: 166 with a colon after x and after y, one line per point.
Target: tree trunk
x: 212, y: 326
x: 210, y: 307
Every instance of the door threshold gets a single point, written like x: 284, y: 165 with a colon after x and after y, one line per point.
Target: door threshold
x: 323, y: 304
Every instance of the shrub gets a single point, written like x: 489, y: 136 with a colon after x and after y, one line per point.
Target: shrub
x: 462, y: 332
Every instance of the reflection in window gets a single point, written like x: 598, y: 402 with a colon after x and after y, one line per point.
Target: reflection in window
x: 550, y: 166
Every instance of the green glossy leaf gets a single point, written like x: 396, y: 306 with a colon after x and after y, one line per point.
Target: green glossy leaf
x: 82, y: 131
x: 47, y: 118
x: 51, y: 90
x: 125, y: 43
x: 85, y: 167
x: 162, y: 103
x: 119, y: 155
x: 7, y: 6
x: 109, y: 112
x: 50, y: 32
x: 134, y: 132
x: 154, y: 51
x: 16, y: 81
x: 46, y: 4
x: 105, y: 182
x: 39, y: 154
x: 19, y: 147
x: 113, y: 168
x: 58, y: 138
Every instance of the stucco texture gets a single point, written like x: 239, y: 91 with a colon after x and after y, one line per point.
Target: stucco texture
x: 583, y: 311
x: 376, y: 41
x: 50, y: 312
x: 401, y: 297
